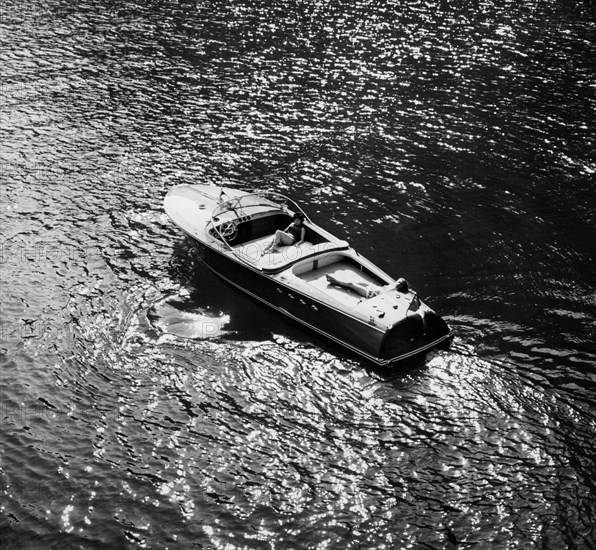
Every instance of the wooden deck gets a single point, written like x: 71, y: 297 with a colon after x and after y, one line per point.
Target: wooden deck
x: 343, y: 270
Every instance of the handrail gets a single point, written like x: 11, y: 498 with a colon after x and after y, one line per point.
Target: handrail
x: 292, y: 202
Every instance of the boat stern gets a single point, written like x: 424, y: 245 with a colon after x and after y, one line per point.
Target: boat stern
x: 412, y: 336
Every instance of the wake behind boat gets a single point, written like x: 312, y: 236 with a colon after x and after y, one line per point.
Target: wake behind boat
x: 320, y: 281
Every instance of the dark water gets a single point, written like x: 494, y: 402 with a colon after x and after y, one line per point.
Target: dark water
x: 147, y: 405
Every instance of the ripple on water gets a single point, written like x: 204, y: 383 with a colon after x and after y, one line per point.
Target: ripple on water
x: 145, y: 402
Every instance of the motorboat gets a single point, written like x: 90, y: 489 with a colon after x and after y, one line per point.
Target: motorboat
x: 311, y: 282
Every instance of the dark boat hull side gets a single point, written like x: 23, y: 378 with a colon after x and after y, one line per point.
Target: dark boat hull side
x: 362, y: 338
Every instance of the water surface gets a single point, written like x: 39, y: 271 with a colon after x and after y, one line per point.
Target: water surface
x: 147, y: 405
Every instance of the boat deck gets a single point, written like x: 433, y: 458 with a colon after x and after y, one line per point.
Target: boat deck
x: 346, y: 272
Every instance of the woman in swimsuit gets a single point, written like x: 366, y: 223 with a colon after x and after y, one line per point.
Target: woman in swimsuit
x: 368, y: 290
x: 293, y: 234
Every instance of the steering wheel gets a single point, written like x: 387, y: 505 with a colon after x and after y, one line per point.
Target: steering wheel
x: 228, y: 230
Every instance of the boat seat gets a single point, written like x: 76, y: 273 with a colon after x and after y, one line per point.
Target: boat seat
x: 286, y: 256
x: 289, y: 255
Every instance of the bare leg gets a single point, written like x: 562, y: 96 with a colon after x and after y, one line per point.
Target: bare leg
x: 359, y: 288
x: 281, y: 237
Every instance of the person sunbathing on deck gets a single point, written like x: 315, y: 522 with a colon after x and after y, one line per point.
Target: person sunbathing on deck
x: 369, y: 290
x: 294, y: 234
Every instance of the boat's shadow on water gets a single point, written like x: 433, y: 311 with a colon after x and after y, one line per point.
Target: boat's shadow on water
x: 206, y: 307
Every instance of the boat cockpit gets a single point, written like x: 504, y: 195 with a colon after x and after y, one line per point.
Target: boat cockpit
x: 247, y: 224
x: 249, y: 217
